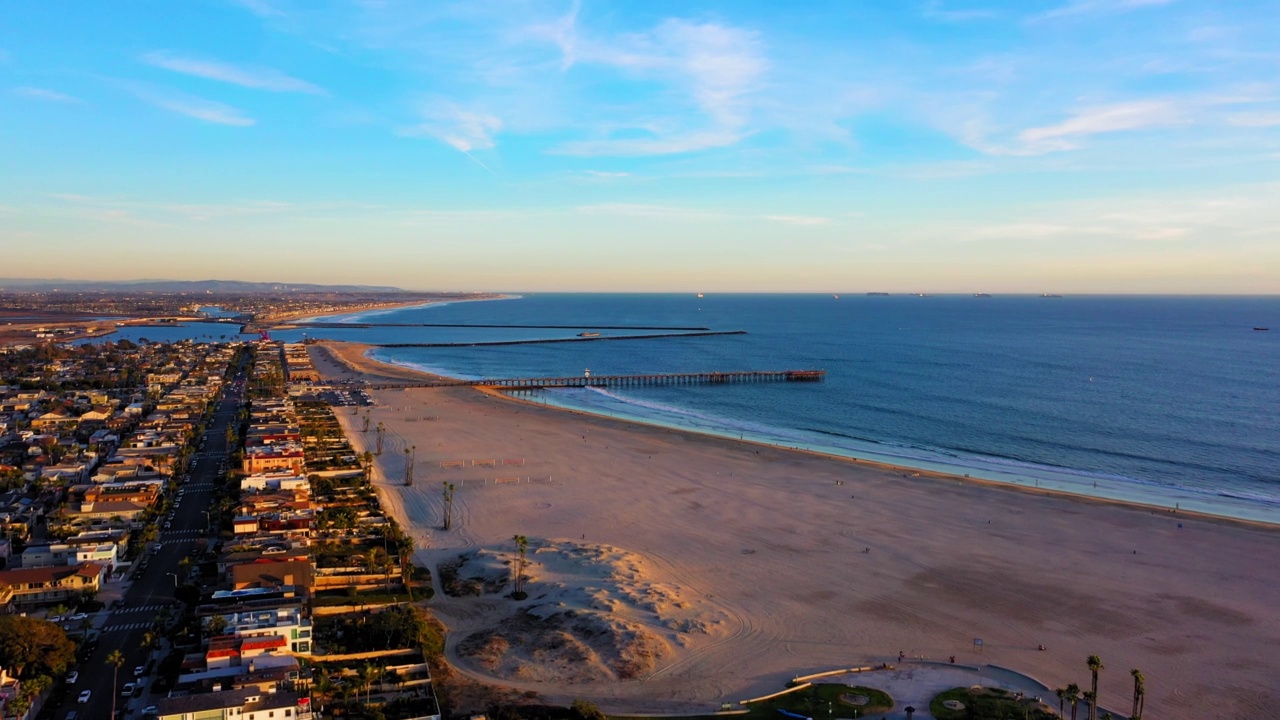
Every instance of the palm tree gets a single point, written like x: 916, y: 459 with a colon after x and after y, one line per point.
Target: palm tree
x: 115, y: 659
x: 1095, y: 665
x: 367, y: 675
x: 1062, y: 700
x: 522, y: 544
x: 381, y: 429
x: 448, y: 505
x: 1073, y: 697
x: 1092, y: 698
x: 1139, y: 694
x: 322, y: 688
x: 406, y: 564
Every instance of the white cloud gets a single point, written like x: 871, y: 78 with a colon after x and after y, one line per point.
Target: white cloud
x: 1258, y: 119
x: 799, y: 220
x: 1097, y: 120
x: 631, y: 147
x: 46, y: 94
x: 260, y: 8
x: 603, y: 175
x: 257, y: 78
x: 719, y: 70
x: 191, y: 106
x: 934, y: 10
x: 661, y: 212
x: 464, y: 130
x: 1096, y: 7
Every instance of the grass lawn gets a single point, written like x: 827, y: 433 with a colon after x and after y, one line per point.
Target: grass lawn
x: 991, y: 703
x: 820, y: 702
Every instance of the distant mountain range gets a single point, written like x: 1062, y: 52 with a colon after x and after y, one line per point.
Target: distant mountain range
x: 183, y: 286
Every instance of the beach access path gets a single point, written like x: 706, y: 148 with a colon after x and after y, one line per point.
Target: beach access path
x: 823, y: 562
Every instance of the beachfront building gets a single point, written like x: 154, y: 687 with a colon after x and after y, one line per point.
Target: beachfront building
x: 244, y: 704
x: 286, y: 622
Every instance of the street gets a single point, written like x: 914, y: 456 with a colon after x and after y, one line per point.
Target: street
x: 148, y: 591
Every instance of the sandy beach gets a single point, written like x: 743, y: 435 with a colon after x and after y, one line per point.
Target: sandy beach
x: 718, y: 569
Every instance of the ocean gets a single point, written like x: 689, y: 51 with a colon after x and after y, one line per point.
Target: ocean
x: 1171, y: 401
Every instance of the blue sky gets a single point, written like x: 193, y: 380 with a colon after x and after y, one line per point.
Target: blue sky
x: 902, y: 145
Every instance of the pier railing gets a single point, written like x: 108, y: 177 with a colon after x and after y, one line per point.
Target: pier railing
x: 697, y: 378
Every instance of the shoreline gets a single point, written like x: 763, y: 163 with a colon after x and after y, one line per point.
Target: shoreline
x: 807, y: 576
x: 302, y: 317
x: 384, y: 370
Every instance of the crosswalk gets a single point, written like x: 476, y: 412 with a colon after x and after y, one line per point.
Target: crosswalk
x: 126, y: 626
x: 144, y: 608
x: 178, y: 534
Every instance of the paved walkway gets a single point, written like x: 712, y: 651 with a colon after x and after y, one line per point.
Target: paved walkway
x: 916, y: 683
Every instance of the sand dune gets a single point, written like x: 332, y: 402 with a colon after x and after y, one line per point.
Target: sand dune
x: 799, y: 562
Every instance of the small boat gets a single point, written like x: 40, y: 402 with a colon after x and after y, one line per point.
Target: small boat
x: 1261, y: 329
x: 588, y: 334
x: 1050, y: 295
x: 699, y: 294
x: 837, y: 297
x: 982, y: 295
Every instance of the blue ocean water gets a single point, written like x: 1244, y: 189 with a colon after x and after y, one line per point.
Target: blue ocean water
x: 1163, y: 400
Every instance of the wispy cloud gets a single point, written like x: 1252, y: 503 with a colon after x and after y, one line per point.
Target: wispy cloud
x: 37, y: 93
x: 1256, y: 119
x: 660, y: 212
x: 633, y: 147
x: 1098, y: 120
x: 258, y: 78
x: 199, y: 212
x: 261, y: 8
x: 934, y: 10
x: 718, y: 68
x: 191, y: 106
x: 464, y: 130
x: 1096, y: 7
x: 799, y: 220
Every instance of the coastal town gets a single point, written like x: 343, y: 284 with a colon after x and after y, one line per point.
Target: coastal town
x: 187, y: 533
x: 266, y: 529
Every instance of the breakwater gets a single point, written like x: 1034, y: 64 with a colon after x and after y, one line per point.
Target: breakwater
x: 488, y: 343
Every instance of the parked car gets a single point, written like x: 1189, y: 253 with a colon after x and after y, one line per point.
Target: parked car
x: 127, y: 690
x: 150, y: 710
x: 72, y: 677
x: 84, y: 697
x: 139, y: 670
x: 79, y: 616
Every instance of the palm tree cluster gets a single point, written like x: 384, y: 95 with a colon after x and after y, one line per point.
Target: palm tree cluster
x: 1071, y: 695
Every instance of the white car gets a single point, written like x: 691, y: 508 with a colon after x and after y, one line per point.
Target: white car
x: 139, y: 670
x: 79, y: 616
x: 150, y: 710
x: 84, y: 697
x: 72, y: 677
x: 127, y: 690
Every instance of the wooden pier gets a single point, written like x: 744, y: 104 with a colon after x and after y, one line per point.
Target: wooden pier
x: 702, y: 378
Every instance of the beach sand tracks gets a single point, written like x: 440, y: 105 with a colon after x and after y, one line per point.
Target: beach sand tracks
x: 1206, y: 610
x: 1027, y: 598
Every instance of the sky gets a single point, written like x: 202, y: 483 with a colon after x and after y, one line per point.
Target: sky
x: 1067, y: 146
